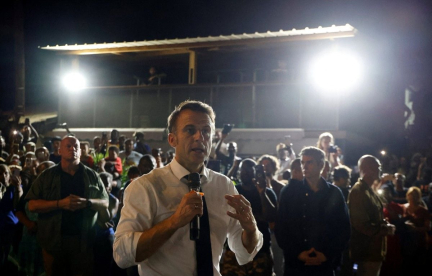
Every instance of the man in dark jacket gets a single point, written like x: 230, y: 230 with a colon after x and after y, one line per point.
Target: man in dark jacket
x: 313, y: 225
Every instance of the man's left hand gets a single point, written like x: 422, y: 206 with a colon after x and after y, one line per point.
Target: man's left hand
x: 243, y: 212
x: 317, y: 259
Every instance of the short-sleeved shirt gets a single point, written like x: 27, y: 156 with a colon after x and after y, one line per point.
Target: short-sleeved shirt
x: 48, y: 187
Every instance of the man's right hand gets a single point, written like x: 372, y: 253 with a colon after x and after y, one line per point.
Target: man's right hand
x: 190, y: 206
x: 72, y: 203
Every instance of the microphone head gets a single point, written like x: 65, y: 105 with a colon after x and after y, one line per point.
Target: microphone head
x: 194, y: 181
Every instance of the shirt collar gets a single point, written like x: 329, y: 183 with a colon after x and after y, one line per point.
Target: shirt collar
x: 324, y: 185
x: 179, y: 171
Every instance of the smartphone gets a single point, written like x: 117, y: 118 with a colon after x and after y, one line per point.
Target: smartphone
x: 259, y: 172
x: 227, y: 128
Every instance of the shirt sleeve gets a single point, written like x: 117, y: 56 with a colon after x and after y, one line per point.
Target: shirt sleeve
x: 235, y: 239
x: 35, y: 189
x: 118, y: 165
x: 136, y: 217
x: 360, y: 219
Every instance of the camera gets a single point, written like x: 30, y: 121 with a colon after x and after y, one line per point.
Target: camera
x: 227, y: 128
x: 332, y: 148
x: 259, y: 172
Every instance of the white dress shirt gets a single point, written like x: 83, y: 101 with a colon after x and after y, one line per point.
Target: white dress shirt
x: 153, y: 198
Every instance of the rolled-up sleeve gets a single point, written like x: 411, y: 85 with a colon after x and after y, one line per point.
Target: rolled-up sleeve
x: 235, y: 241
x: 136, y: 217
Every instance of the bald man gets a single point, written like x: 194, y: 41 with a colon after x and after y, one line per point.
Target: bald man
x: 369, y: 229
x: 69, y: 197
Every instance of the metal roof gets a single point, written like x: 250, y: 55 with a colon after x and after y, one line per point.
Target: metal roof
x: 203, y: 42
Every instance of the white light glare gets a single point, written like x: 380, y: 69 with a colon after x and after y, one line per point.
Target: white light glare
x: 336, y: 71
x: 74, y: 81
x: 383, y: 152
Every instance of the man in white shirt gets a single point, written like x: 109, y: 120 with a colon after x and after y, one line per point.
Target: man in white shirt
x: 154, y: 228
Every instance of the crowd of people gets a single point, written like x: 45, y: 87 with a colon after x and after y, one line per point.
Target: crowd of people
x: 117, y: 206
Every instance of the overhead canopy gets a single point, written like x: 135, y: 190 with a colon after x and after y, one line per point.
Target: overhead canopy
x: 185, y: 45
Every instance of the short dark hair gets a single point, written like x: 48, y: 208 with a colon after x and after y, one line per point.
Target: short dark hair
x: 341, y: 172
x: 295, y: 162
x: 114, y: 148
x: 85, y: 143
x: 56, y: 138
x: 109, y: 177
x: 191, y: 105
x: 133, y: 170
x: 315, y: 153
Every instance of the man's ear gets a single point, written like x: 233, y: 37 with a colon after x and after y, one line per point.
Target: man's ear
x: 172, y: 140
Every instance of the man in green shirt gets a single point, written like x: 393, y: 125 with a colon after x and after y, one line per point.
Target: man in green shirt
x: 69, y: 199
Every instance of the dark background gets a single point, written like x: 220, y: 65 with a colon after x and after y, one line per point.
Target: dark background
x: 394, y: 38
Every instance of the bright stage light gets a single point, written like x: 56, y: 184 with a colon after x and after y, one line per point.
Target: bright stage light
x: 336, y: 72
x: 74, y: 81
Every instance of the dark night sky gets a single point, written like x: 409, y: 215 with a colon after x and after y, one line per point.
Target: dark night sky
x: 395, y: 34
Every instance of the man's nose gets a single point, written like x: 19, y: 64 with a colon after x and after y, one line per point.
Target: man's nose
x: 199, y: 135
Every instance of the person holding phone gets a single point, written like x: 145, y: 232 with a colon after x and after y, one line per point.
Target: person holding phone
x: 230, y: 162
x: 253, y: 186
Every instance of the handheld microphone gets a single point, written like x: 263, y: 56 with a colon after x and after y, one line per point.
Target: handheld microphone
x: 194, y: 183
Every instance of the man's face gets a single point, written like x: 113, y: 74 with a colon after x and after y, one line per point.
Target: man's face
x: 4, y: 176
x: 310, y: 167
x: 247, y: 172
x: 115, y: 135
x: 29, y: 147
x: 191, y: 138
x: 145, y: 166
x: 232, y: 148
x: 56, y: 145
x: 42, y: 154
x: 96, y: 143
x: 84, y: 149
x: 268, y: 167
x: 112, y: 155
x: 70, y: 149
x: 129, y: 146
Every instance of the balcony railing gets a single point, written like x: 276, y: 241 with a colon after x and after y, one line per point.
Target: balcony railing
x: 247, y: 105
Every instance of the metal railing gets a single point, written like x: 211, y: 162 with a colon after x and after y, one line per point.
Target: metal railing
x: 247, y: 105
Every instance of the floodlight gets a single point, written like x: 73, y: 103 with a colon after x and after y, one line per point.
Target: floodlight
x: 383, y: 152
x: 74, y: 81
x: 336, y: 71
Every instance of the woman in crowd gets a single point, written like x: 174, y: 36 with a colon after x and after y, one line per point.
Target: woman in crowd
x: 417, y: 222
x: 326, y: 143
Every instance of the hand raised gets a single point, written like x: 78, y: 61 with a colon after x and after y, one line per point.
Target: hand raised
x: 243, y: 211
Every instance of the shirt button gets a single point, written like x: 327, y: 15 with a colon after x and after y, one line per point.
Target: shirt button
x: 307, y: 194
x: 304, y: 216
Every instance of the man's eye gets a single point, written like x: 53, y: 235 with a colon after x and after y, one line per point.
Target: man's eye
x: 191, y: 131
